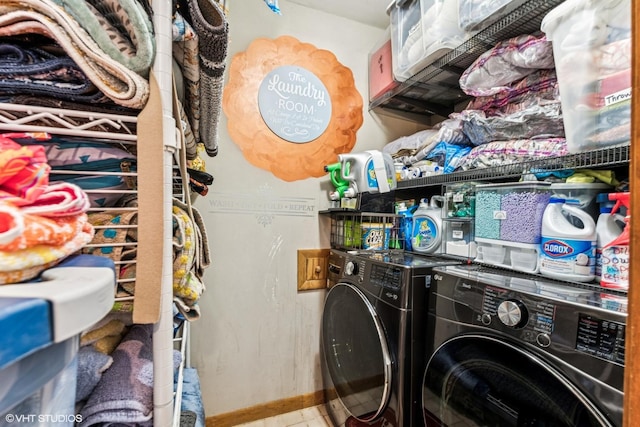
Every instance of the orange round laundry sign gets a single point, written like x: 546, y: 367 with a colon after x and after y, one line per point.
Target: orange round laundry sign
x: 290, y: 107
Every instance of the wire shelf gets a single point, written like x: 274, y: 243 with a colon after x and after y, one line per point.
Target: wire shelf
x: 436, y: 89
x: 608, y: 157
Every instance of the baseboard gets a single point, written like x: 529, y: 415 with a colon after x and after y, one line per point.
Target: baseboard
x: 266, y: 410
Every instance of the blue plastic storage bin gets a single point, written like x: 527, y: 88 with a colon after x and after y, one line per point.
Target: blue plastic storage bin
x: 41, y: 323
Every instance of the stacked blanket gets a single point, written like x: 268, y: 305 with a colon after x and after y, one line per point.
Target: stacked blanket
x: 78, y: 51
x: 124, y: 393
x: 40, y: 223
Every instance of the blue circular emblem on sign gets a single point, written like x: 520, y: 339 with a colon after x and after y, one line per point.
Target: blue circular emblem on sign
x: 294, y: 104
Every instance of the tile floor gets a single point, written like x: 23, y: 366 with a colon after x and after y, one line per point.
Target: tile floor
x: 314, y: 416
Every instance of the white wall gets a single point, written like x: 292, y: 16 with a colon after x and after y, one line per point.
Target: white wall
x: 258, y: 338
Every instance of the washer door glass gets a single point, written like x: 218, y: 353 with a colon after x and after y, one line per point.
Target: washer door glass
x: 481, y: 381
x: 356, y: 352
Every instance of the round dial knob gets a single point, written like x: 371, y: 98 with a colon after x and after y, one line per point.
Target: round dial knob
x: 351, y: 268
x: 512, y: 313
x: 485, y: 319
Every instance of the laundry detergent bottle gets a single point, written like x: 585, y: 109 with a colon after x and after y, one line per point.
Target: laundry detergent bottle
x: 567, y: 251
x: 608, y: 227
x: 426, y: 234
x: 371, y: 171
x: 615, y: 254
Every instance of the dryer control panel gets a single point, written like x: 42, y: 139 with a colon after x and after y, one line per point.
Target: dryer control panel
x: 570, y: 323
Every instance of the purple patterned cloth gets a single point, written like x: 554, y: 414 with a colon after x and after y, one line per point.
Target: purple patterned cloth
x: 500, y: 153
x: 535, y: 89
x: 509, y: 61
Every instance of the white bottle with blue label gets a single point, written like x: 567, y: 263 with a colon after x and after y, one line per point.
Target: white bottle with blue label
x: 426, y: 234
x: 567, y: 252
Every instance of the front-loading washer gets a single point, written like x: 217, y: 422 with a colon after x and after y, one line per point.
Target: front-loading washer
x: 510, y: 350
x: 372, y: 337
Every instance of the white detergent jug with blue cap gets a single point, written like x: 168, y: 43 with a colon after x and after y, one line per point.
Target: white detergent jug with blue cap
x: 567, y: 251
x: 426, y: 234
x: 370, y: 171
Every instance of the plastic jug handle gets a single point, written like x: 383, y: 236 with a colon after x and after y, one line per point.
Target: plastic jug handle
x: 437, y: 202
x: 619, y: 218
x: 345, y: 170
x: 575, y: 211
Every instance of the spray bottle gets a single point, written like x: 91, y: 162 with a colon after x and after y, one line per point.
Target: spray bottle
x: 615, y: 255
x: 608, y: 227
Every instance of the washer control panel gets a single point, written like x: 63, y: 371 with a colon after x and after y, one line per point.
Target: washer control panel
x: 513, y: 312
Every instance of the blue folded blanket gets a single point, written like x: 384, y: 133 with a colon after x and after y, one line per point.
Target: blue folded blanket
x: 192, y: 397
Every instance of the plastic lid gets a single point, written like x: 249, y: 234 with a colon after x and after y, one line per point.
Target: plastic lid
x: 606, y: 209
x: 556, y: 200
x: 572, y: 201
x: 580, y: 186
x: 26, y: 327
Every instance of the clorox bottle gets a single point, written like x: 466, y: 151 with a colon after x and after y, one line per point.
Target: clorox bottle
x: 426, y: 234
x: 567, y: 252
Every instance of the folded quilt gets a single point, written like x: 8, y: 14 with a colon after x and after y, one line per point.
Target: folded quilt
x: 44, y: 17
x: 59, y: 200
x: 25, y: 264
x: 35, y: 71
x: 24, y: 172
x: 124, y: 394
x: 37, y: 230
x: 121, y: 28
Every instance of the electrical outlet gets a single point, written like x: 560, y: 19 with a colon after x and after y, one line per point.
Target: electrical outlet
x: 312, y: 269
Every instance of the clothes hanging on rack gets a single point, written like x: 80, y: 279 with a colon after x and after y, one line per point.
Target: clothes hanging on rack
x: 210, y: 24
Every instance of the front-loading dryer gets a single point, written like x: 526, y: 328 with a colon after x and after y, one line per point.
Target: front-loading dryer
x: 373, y: 336
x: 505, y: 349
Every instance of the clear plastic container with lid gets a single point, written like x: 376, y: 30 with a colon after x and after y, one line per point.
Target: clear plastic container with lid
x: 421, y: 32
x: 592, y: 51
x: 511, y: 212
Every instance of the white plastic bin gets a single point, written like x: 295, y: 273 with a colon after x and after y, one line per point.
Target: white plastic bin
x: 41, y: 322
x: 421, y: 32
x: 592, y: 52
x: 475, y: 15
